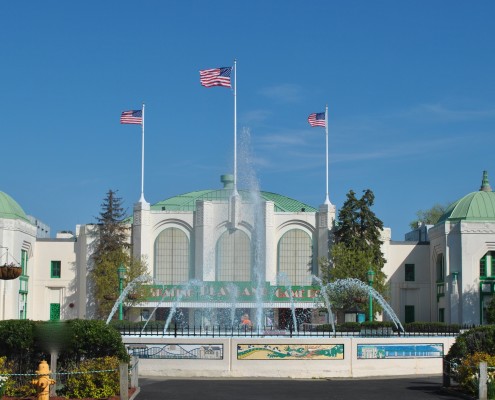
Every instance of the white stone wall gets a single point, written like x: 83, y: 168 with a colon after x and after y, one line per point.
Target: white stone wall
x: 15, y: 235
x: 350, y: 366
x: 48, y: 290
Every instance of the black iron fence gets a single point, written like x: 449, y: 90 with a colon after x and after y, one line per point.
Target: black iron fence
x: 311, y: 330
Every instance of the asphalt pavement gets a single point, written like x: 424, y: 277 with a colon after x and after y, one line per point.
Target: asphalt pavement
x: 403, y: 388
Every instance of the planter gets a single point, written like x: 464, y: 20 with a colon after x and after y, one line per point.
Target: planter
x: 132, y: 296
x: 110, y: 297
x: 10, y: 271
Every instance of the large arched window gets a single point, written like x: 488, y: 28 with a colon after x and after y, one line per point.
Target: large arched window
x: 172, y: 257
x: 295, y: 258
x: 233, y: 257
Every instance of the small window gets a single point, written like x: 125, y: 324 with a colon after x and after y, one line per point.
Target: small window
x: 409, y: 277
x: 55, y: 269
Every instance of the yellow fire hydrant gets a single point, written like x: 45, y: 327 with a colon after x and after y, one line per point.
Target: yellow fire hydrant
x: 43, y: 382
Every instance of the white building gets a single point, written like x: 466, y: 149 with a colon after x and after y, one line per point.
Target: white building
x: 441, y: 273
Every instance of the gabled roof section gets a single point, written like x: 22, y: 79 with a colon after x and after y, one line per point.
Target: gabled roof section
x: 10, y: 209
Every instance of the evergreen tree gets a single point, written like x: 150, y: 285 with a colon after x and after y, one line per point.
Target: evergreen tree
x: 355, y: 248
x: 112, y: 234
x: 111, y: 250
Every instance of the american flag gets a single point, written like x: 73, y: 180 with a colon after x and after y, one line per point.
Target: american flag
x: 215, y: 77
x: 132, y: 117
x: 317, y: 119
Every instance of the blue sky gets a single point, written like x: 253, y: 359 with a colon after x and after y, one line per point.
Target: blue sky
x: 409, y: 85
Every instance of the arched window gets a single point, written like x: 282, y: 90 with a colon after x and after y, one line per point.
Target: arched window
x: 295, y: 257
x: 172, y: 257
x: 233, y: 257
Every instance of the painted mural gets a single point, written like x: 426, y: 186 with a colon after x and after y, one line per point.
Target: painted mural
x: 407, y: 350
x: 290, y: 351
x: 178, y: 351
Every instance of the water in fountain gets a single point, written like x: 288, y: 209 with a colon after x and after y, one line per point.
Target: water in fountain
x: 234, y: 293
x: 326, y: 300
x: 284, y: 280
x: 125, y: 292
x: 353, y: 283
x: 256, y: 205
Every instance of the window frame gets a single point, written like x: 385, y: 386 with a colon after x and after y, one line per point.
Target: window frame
x: 54, y: 264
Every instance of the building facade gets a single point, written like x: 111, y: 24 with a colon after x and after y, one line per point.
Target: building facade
x: 212, y: 249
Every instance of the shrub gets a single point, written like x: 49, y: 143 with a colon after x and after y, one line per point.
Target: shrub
x: 6, y: 382
x: 91, y: 339
x: 468, y: 371
x: 94, y: 378
x: 476, y: 340
x: 435, y: 327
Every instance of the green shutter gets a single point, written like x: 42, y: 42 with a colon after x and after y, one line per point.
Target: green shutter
x: 54, y: 311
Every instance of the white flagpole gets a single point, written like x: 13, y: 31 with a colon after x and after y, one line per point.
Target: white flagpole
x: 142, y: 200
x: 235, y: 129
x: 327, y: 199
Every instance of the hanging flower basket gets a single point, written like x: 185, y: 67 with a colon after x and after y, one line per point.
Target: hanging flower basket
x: 360, y: 300
x: 110, y: 297
x: 10, y: 271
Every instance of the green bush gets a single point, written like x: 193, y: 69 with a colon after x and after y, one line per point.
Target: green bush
x: 468, y: 371
x: 91, y: 339
x: 434, y: 327
x: 477, y: 340
x: 96, y: 378
x: 377, y: 324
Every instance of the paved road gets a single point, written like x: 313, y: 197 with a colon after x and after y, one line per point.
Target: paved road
x: 422, y: 388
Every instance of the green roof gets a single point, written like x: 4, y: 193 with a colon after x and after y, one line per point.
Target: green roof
x: 475, y: 206
x: 10, y: 209
x: 187, y: 201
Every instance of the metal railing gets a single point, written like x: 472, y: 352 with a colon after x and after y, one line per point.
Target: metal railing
x: 304, y: 330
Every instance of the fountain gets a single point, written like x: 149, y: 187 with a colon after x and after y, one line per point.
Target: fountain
x: 125, y: 292
x: 353, y: 283
x: 233, y: 296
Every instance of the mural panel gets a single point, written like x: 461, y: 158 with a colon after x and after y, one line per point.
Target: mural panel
x: 406, y: 350
x: 178, y: 351
x: 290, y: 351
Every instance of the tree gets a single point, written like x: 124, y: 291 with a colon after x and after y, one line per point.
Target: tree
x: 430, y: 216
x: 112, y: 233
x: 359, y: 229
x: 355, y: 248
x: 106, y: 280
x: 111, y: 250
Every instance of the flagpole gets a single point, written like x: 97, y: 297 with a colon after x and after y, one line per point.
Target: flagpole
x: 142, y: 200
x: 235, y: 129
x: 327, y: 199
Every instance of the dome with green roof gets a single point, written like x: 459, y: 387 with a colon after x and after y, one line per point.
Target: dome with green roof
x: 187, y: 201
x: 475, y: 206
x: 10, y: 209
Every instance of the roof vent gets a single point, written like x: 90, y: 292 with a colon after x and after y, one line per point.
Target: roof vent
x: 228, y: 181
x: 485, y: 185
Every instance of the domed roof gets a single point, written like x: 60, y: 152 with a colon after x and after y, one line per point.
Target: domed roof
x: 187, y: 201
x: 10, y: 209
x: 475, y: 206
